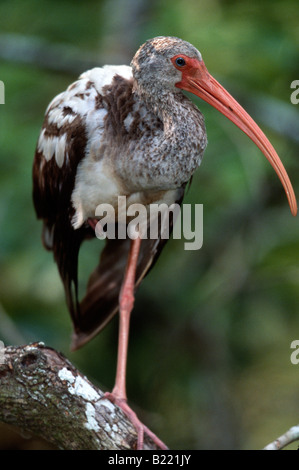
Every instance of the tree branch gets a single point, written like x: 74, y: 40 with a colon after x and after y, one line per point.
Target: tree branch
x: 290, y: 436
x: 42, y: 393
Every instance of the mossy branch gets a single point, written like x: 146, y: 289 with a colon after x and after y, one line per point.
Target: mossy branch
x: 42, y: 393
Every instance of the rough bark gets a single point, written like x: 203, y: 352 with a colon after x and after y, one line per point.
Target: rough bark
x: 43, y: 394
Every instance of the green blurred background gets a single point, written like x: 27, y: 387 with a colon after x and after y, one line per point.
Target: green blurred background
x: 209, y: 357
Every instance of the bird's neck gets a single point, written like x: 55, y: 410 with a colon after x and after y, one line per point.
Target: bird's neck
x: 171, y: 155
x: 182, y: 121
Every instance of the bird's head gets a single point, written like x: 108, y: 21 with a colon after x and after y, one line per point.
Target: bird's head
x: 152, y: 64
x: 168, y: 64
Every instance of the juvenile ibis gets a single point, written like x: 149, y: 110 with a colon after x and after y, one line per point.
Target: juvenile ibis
x: 128, y: 131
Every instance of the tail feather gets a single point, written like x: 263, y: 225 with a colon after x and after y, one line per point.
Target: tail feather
x: 101, y: 301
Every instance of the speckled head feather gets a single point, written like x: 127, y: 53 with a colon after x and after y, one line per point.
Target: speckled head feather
x: 166, y: 46
x: 152, y: 68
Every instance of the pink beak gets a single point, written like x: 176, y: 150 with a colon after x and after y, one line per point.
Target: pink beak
x: 198, y: 81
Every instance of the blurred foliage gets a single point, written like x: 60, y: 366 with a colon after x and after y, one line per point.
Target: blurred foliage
x: 209, y: 358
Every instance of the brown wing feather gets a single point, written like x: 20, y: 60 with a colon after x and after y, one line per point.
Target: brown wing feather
x: 60, y: 148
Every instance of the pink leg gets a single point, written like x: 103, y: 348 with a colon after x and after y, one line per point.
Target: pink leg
x: 126, y: 302
x: 92, y: 223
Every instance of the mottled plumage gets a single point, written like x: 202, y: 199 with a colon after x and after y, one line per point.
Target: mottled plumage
x: 115, y: 131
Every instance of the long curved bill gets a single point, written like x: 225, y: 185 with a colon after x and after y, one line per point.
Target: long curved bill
x: 199, y: 82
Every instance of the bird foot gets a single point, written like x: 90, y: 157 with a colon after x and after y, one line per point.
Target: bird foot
x: 138, y: 425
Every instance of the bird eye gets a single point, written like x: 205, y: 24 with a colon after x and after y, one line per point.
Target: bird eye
x: 180, y: 61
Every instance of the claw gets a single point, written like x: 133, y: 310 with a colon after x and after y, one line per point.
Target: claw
x: 138, y: 425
